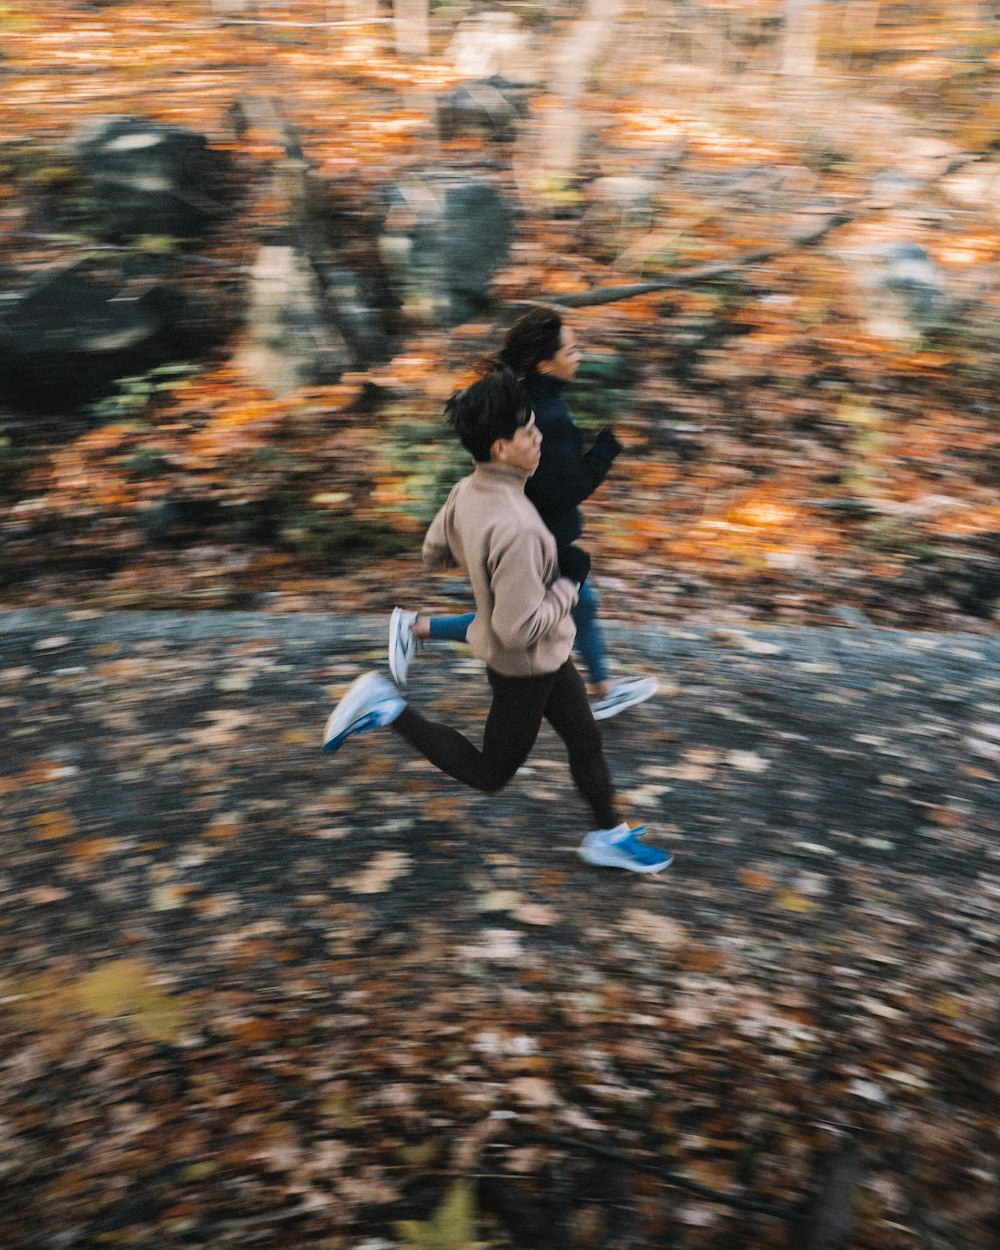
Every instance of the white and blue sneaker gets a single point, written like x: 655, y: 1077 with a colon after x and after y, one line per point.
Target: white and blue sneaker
x: 402, y: 643
x: 626, y: 692
x: 370, y: 700
x: 620, y: 848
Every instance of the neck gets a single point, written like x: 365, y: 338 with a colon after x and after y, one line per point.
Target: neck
x: 507, y: 470
x: 544, y: 380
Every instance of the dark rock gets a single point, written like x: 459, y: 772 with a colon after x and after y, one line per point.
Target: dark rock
x: 477, y: 229
x: 177, y: 522
x: 490, y: 107
x: 66, y: 337
x: 442, y: 243
x: 358, y: 308
x: 141, y: 177
x: 911, y: 272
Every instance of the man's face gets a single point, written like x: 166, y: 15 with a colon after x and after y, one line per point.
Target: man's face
x: 566, y: 361
x: 523, y: 450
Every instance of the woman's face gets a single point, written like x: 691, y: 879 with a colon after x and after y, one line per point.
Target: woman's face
x: 566, y: 361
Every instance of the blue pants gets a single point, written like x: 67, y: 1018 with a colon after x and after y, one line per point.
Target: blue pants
x: 589, y: 634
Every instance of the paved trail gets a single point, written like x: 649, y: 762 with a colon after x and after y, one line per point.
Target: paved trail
x: 830, y: 924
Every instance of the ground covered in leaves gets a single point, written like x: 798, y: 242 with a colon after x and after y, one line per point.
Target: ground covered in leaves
x: 255, y: 996
x: 799, y: 440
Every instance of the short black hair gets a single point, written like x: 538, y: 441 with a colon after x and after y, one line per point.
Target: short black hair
x: 534, y: 337
x: 494, y: 407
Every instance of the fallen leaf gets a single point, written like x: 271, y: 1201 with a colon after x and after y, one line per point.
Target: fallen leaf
x: 382, y: 870
x: 452, y: 1226
x: 534, y: 1091
x: 754, y: 879
x: 792, y: 900
x: 652, y: 927
x: 126, y: 988
x: 747, y: 761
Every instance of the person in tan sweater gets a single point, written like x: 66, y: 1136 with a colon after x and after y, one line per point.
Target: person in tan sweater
x: 523, y: 630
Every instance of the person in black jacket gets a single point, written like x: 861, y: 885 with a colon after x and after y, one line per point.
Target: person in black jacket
x: 542, y: 348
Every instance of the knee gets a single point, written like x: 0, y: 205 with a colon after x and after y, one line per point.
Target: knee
x: 493, y: 783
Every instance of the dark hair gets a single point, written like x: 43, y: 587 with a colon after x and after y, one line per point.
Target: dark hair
x: 492, y: 408
x: 535, y: 337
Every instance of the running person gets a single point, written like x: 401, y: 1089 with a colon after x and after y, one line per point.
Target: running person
x: 542, y: 348
x: 523, y: 629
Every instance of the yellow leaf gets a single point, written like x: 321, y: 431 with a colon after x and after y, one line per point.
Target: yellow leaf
x: 124, y: 988
x: 451, y: 1227
x: 791, y: 900
x: 52, y: 825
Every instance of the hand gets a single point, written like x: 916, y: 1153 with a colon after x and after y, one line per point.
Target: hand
x: 574, y: 563
x: 608, y: 440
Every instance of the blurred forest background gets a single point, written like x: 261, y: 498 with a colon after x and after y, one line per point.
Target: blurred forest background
x: 246, y: 249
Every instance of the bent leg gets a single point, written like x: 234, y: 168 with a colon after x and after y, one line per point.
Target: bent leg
x: 568, y: 712
x: 511, y: 729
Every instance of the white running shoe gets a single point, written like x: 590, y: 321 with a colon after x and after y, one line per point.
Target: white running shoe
x: 624, y: 693
x: 620, y: 848
x: 370, y: 700
x: 402, y: 644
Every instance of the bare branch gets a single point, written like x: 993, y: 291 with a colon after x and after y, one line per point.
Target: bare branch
x: 694, y: 277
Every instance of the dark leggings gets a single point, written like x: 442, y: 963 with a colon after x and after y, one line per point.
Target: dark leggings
x: 519, y: 704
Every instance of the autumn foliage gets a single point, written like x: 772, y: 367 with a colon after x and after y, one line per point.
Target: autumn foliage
x: 785, y: 457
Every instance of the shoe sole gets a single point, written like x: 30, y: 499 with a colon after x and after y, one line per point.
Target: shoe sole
x: 600, y: 861
x: 367, y: 720
x: 366, y: 716
x: 607, y: 712
x: 399, y: 664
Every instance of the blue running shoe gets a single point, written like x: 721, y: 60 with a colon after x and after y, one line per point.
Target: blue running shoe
x: 621, y: 848
x: 370, y: 700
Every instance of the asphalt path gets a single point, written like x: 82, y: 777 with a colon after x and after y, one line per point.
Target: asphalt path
x: 830, y: 795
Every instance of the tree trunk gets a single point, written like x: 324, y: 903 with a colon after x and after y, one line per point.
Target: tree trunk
x: 360, y: 10
x: 411, y: 19
x: 801, y: 36
x: 588, y: 40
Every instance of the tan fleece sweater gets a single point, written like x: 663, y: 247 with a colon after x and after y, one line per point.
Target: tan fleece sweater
x: 523, y: 626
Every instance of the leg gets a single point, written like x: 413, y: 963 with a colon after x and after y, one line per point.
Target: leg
x: 569, y: 714
x: 445, y: 628
x: 613, y: 844
x: 511, y: 729
x: 610, y: 697
x: 590, y: 636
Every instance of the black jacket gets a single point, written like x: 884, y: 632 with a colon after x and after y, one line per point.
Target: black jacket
x: 566, y: 474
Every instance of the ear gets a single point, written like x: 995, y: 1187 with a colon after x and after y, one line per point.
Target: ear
x: 498, y: 449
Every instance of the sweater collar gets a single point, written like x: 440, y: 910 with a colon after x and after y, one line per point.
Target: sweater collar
x: 502, y: 472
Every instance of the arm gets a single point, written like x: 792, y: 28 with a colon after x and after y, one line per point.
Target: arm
x: 525, y: 609
x: 437, y: 552
x: 564, y: 477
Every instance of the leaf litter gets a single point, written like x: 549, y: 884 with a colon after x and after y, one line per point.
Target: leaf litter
x: 222, y: 963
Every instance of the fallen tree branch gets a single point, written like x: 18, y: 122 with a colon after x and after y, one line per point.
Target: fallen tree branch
x: 693, y: 277
x: 828, y: 1226
x: 669, y: 1178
